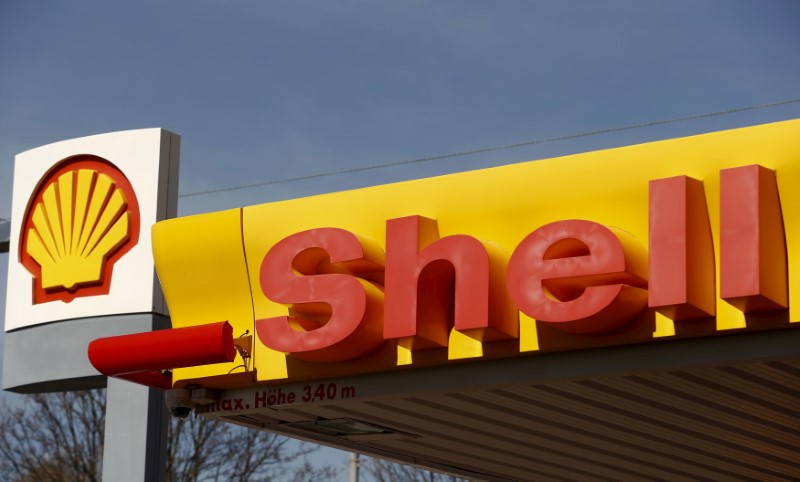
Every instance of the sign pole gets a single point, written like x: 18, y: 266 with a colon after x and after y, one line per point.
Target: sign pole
x: 135, y: 442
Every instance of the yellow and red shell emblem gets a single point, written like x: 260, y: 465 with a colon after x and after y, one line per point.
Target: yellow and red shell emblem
x: 82, y: 218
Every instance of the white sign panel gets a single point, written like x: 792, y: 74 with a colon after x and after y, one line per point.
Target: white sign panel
x: 80, y: 226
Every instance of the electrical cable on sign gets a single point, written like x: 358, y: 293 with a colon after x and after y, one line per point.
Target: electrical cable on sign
x: 491, y: 149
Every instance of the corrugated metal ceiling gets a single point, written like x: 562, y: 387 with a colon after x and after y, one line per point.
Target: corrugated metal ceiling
x: 731, y: 422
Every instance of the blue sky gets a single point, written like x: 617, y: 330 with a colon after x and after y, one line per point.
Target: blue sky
x: 269, y: 90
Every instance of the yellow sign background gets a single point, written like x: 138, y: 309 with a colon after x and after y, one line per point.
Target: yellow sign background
x: 209, y: 264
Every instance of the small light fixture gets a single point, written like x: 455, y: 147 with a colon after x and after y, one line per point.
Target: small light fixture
x: 244, y: 347
x: 350, y: 429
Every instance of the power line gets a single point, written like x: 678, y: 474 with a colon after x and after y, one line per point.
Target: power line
x: 490, y: 149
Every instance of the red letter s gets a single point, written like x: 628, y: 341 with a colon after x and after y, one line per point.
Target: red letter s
x: 334, y: 315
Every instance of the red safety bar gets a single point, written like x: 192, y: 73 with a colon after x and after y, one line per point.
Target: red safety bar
x: 142, y: 357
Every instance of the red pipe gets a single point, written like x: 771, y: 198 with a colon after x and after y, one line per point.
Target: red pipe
x: 141, y: 357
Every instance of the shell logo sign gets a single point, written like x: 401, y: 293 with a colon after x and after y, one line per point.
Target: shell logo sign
x: 81, y: 264
x: 82, y: 218
x: 673, y: 239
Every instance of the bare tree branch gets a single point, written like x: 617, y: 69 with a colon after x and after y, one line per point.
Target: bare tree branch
x: 59, y: 436
x: 53, y: 438
x: 379, y: 470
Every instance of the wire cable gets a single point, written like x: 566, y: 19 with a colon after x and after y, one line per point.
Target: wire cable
x: 490, y: 149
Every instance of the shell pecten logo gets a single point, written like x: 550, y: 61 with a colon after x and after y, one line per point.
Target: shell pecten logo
x: 81, y: 219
